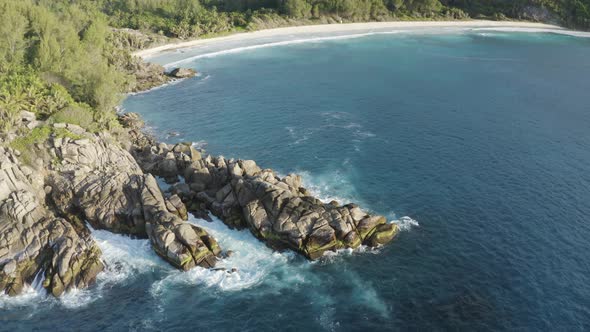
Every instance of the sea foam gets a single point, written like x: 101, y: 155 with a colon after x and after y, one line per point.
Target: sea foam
x: 253, y: 261
x: 124, y: 258
x: 581, y: 34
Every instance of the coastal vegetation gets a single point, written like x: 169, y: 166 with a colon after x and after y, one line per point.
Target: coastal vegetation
x: 69, y: 60
x: 56, y: 59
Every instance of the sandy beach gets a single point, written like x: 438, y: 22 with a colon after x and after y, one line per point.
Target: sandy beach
x: 352, y: 27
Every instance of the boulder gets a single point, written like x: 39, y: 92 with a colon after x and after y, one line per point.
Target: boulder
x: 279, y: 211
x: 34, y: 243
x: 147, y: 75
x: 102, y: 183
x: 182, y: 73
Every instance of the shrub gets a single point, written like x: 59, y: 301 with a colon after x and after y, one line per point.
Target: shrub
x: 80, y: 115
x: 9, y: 114
x: 26, y: 144
x: 64, y: 133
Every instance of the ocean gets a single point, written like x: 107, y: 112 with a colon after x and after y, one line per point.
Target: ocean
x: 477, y: 142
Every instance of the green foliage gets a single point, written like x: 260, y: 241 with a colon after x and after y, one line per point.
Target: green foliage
x: 64, y: 133
x: 80, y: 115
x: 67, y: 41
x: 23, y: 90
x: 9, y: 114
x: 26, y: 144
x: 296, y: 8
x: 57, y: 60
x: 572, y: 13
x: 12, y: 34
x: 174, y: 18
x: 193, y: 18
x: 61, y: 59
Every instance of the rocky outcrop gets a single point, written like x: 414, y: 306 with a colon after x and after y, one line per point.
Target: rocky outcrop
x: 538, y: 14
x: 91, y: 178
x: 100, y: 182
x: 150, y: 75
x: 277, y: 210
x: 182, y: 73
x: 36, y: 243
x: 82, y: 177
x: 147, y: 75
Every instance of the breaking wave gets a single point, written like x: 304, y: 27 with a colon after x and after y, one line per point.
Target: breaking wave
x: 251, y: 260
x: 274, y: 44
x: 124, y: 259
x: 572, y: 33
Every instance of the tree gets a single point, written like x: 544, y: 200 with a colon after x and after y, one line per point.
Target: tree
x: 12, y: 34
x: 296, y: 8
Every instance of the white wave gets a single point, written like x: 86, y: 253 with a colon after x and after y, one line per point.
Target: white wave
x: 330, y: 257
x: 364, y: 134
x: 29, y: 297
x: 336, y: 114
x: 405, y: 223
x: 352, y: 125
x: 199, y: 145
x: 124, y: 258
x: 274, y: 44
x: 120, y: 110
x: 172, y: 82
x: 204, y: 79
x: 572, y: 33
x: 36, y: 297
x: 252, y: 260
x: 325, y: 186
x: 78, y: 298
x: 37, y: 283
x: 370, y: 33
x: 300, y: 137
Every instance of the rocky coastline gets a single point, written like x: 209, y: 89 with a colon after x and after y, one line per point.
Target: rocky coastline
x: 150, y: 75
x: 109, y: 182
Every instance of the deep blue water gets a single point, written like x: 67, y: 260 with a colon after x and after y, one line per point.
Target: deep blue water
x: 481, y: 138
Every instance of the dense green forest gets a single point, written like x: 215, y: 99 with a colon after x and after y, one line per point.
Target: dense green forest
x: 192, y: 18
x: 69, y: 60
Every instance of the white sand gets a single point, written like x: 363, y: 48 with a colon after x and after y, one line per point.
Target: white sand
x: 351, y: 27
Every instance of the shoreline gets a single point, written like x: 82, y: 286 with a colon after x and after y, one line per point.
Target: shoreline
x: 346, y: 27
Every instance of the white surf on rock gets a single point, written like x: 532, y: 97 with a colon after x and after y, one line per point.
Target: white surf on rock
x: 250, y: 264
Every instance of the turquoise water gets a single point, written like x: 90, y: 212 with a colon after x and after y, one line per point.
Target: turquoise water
x: 481, y: 138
